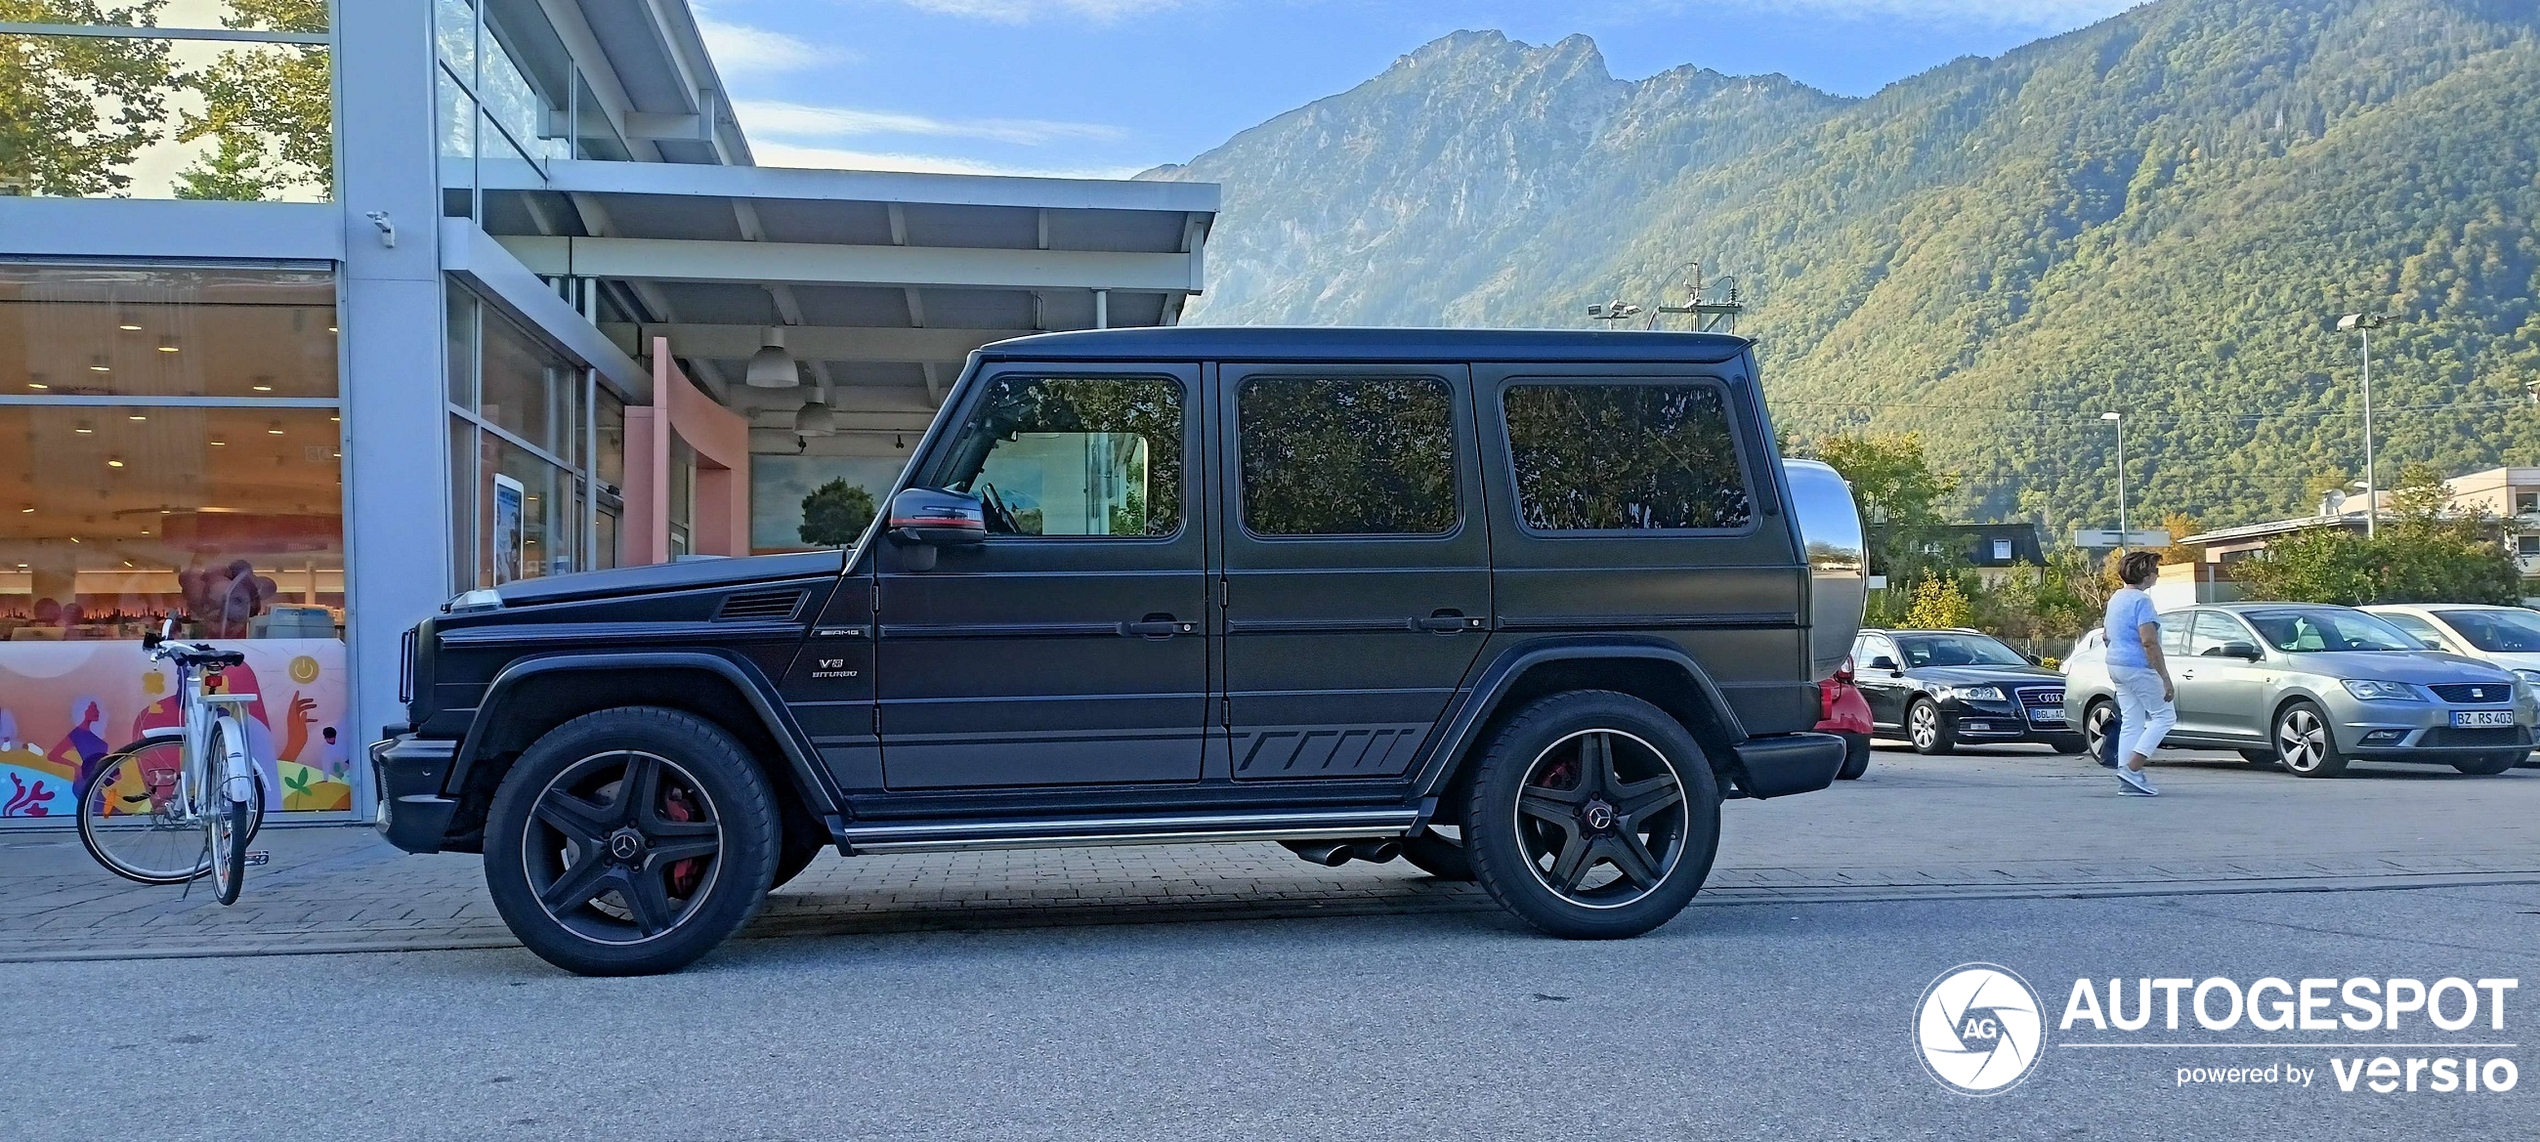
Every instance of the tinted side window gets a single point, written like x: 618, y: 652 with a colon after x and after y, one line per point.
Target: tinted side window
x: 1625, y: 457
x: 1075, y: 456
x: 1347, y: 456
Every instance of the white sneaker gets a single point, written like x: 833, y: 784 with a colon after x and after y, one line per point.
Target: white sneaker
x: 2135, y: 783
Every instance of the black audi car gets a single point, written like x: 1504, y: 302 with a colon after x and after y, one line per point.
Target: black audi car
x: 1939, y: 689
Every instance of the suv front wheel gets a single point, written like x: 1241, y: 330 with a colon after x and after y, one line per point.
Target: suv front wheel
x: 1594, y: 815
x: 630, y: 841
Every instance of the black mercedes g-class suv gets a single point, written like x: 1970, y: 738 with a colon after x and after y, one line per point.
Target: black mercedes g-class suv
x: 1522, y: 607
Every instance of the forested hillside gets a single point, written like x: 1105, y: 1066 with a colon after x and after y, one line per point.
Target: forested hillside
x: 2161, y: 214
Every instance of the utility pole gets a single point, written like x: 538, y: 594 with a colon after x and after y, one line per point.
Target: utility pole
x: 1709, y: 315
x: 2365, y: 323
x: 2118, y: 419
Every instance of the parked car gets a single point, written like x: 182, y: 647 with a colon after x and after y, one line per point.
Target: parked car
x: 1521, y: 606
x: 2313, y: 687
x: 1940, y: 689
x: 1847, y: 716
x: 2504, y: 636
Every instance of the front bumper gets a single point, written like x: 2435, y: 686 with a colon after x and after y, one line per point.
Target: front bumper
x: 409, y: 772
x: 2005, y: 721
x: 2422, y: 731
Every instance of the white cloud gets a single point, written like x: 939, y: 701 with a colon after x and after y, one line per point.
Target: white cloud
x: 1026, y: 11
x: 834, y: 158
x: 780, y: 119
x: 741, y: 48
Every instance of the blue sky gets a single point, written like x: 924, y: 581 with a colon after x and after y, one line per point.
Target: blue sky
x: 1110, y: 87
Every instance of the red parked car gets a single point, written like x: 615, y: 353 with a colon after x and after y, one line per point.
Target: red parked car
x: 1846, y: 715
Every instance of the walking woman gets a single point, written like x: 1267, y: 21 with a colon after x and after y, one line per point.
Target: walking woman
x: 2139, y: 673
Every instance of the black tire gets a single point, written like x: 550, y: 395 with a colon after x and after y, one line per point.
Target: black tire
x: 2095, y: 720
x: 2490, y: 764
x: 800, y: 847
x: 177, y: 855
x: 2259, y: 758
x: 1438, y: 855
x: 2304, y: 744
x: 229, y: 850
x: 1856, y: 757
x: 1927, y: 729
x: 2074, y: 744
x: 613, y: 816
x: 1638, y: 797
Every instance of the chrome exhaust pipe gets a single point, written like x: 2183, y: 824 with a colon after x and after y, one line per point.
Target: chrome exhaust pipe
x: 1329, y: 854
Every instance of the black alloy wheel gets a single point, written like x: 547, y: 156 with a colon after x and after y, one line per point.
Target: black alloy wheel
x: 1594, y: 816
x: 630, y: 841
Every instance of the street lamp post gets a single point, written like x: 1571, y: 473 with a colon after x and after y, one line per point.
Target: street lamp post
x: 2365, y: 323
x: 2118, y: 419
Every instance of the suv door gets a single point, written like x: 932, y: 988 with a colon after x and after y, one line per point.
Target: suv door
x: 1356, y: 563
x: 2218, y: 696
x: 1071, y: 647
x: 1643, y: 499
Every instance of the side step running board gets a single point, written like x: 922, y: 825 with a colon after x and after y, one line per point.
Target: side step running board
x: 949, y: 836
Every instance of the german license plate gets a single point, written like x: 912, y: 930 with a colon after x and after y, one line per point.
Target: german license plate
x: 2046, y: 715
x: 2482, y: 719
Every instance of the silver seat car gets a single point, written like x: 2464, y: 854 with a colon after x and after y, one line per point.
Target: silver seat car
x: 2501, y: 636
x: 2312, y: 687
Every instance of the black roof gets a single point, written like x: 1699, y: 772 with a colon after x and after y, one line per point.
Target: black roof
x: 1310, y: 343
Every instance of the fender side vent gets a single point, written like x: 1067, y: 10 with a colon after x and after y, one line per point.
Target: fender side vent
x: 761, y: 606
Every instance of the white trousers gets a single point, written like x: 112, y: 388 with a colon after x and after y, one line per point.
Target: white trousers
x: 2148, y: 716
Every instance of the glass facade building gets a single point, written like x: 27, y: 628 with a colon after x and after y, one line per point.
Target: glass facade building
x: 314, y: 313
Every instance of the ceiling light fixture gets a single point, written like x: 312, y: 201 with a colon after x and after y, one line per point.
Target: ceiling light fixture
x: 772, y: 367
x: 167, y: 344
x: 220, y: 444
x: 111, y: 462
x: 136, y: 416
x: 816, y: 418
x: 98, y: 365
x: 273, y: 431
x: 82, y: 429
x: 38, y: 386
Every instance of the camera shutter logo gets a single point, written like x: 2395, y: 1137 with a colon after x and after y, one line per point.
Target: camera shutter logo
x: 1979, y: 1029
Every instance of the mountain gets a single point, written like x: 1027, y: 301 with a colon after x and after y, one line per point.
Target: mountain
x: 2162, y: 214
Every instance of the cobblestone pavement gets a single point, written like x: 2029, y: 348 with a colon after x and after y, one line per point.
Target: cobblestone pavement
x: 2012, y: 822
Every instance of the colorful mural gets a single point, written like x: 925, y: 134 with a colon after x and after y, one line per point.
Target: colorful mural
x: 65, y: 705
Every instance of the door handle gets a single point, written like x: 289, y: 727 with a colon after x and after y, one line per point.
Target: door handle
x: 1448, y: 622
x: 1157, y: 626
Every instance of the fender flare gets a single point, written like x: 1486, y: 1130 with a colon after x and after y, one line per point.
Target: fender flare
x: 1463, y: 726
x: 745, y: 677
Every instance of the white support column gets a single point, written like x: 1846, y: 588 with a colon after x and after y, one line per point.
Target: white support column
x: 1102, y: 309
x: 396, y: 435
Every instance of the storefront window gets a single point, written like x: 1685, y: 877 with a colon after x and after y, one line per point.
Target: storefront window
x: 170, y: 116
x: 518, y: 464
x: 170, y: 443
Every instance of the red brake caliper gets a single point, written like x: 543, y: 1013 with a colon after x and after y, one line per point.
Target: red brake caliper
x: 684, y: 874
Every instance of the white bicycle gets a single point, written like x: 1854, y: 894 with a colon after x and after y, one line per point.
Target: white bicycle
x: 182, y: 803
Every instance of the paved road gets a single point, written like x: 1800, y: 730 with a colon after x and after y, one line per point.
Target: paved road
x: 2010, y: 822
x: 1777, y: 1021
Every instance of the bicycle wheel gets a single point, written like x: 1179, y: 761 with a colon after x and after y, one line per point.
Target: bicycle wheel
x: 132, y: 816
x: 225, y: 820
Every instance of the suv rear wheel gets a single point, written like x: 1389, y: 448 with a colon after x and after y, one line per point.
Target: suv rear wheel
x: 1593, y: 816
x: 630, y: 841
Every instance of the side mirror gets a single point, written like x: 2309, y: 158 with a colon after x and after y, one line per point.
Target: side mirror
x: 925, y: 520
x: 2431, y: 643
x: 2245, y: 651
x: 1883, y: 662
x: 2034, y: 660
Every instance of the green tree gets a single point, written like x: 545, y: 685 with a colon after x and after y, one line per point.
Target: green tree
x: 835, y: 514
x: 1939, y: 604
x: 73, y: 109
x: 268, y: 109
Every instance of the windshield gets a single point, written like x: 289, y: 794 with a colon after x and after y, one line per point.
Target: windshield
x: 1955, y: 650
x: 2496, y: 632
x: 2327, y: 630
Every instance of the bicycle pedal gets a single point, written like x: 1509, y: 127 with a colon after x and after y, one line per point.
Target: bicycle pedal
x: 256, y: 858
